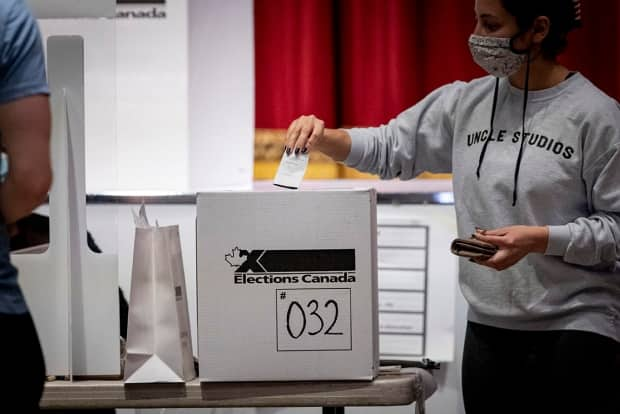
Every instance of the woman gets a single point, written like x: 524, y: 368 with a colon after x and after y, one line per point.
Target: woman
x: 535, y: 154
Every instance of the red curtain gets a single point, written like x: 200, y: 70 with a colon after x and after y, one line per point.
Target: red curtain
x: 361, y: 62
x: 295, y: 65
x: 375, y: 52
x: 594, y: 50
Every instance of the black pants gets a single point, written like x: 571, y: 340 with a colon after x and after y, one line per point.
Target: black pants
x: 506, y: 371
x: 22, y: 371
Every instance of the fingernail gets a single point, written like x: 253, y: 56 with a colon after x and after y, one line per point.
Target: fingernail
x: 297, y: 151
x: 303, y: 151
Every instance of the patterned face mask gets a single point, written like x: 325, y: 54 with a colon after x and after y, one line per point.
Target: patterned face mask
x: 495, y: 55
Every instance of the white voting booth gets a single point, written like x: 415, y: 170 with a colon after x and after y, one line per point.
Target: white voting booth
x: 72, y: 292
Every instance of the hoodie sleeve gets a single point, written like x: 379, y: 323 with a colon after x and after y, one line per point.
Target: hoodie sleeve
x: 417, y: 140
x: 594, y: 240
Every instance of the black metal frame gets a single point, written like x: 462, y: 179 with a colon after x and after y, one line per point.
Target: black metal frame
x: 333, y: 410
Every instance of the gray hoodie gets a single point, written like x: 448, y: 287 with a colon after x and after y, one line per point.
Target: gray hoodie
x: 569, y: 180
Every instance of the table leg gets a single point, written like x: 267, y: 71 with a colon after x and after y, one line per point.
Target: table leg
x: 333, y: 410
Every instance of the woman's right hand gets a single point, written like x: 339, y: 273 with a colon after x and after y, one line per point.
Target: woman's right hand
x: 304, y: 134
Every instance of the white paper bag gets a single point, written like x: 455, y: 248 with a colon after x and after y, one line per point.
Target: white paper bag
x: 159, y: 344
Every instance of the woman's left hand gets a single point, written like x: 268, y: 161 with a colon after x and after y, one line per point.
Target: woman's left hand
x: 514, y: 243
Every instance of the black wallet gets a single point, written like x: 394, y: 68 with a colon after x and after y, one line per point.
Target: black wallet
x: 473, y: 248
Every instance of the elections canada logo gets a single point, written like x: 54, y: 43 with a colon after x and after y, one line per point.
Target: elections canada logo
x: 141, y: 9
x: 292, y: 266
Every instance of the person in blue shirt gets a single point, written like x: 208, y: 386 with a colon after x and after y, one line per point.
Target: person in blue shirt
x: 25, y: 139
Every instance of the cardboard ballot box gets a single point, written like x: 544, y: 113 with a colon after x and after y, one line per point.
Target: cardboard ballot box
x: 287, y: 285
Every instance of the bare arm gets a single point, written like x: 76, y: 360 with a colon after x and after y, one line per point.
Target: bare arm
x: 308, y: 133
x: 25, y: 126
x: 336, y: 143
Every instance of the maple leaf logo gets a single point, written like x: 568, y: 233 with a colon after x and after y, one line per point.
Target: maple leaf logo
x: 235, y: 259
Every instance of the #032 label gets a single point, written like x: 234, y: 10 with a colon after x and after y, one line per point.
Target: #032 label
x: 313, y: 319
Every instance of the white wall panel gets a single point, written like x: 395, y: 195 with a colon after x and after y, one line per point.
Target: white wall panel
x: 152, y: 87
x: 221, y: 94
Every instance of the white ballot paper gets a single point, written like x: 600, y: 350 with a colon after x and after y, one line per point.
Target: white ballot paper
x: 291, y: 170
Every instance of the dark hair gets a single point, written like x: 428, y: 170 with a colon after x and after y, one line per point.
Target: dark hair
x: 563, y: 14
